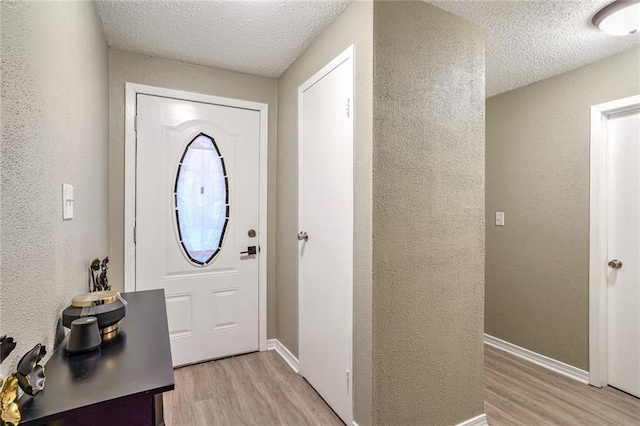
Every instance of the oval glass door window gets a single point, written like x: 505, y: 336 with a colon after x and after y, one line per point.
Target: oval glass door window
x: 201, y: 200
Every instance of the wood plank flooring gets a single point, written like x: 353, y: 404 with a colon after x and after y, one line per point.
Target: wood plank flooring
x: 261, y: 389
x: 253, y: 389
x: 520, y: 393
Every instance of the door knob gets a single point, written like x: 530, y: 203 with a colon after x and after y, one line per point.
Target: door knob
x: 303, y: 236
x: 615, y: 264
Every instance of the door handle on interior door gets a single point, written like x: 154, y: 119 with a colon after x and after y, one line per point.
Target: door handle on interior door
x: 303, y: 236
x: 615, y: 264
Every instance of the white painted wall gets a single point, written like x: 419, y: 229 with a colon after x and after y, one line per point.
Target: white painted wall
x: 54, y: 130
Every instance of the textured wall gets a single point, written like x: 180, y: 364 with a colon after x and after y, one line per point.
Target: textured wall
x: 1, y: 139
x: 537, y: 266
x: 126, y: 67
x: 428, y: 215
x: 54, y: 130
x: 353, y: 27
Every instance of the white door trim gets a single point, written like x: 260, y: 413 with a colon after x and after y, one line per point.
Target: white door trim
x: 598, y: 363
x: 347, y: 54
x: 131, y: 91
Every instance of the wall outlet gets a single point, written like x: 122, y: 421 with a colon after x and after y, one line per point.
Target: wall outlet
x: 67, y: 201
x: 499, y: 218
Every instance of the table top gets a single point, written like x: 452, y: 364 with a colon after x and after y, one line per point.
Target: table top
x: 136, y: 362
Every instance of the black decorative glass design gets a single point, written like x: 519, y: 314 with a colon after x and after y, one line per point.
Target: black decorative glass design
x: 201, y: 200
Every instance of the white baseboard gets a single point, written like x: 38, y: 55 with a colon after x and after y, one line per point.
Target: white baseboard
x: 541, y: 360
x: 275, y: 345
x: 354, y: 423
x: 480, y: 420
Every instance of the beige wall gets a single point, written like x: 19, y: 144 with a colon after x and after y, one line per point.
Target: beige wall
x: 54, y: 130
x: 537, y: 266
x: 428, y: 215
x: 127, y: 67
x: 353, y: 27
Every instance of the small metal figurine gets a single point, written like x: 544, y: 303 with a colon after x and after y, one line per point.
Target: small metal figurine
x: 30, y: 373
x: 7, y: 344
x: 9, y: 411
x: 94, y: 267
x: 98, y: 274
x: 29, y: 377
x: 103, y: 282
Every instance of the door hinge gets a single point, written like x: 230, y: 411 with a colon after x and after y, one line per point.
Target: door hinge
x: 135, y: 123
x: 348, y: 109
x: 134, y: 234
x: 348, y: 382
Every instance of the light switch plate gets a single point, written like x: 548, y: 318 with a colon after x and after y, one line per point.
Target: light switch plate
x: 499, y: 218
x: 67, y: 201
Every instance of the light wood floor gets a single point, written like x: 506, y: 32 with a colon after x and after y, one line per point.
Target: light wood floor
x: 261, y: 389
x: 254, y: 389
x: 520, y: 393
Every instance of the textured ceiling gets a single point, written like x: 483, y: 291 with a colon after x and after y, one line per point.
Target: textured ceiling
x: 256, y: 37
x: 529, y: 41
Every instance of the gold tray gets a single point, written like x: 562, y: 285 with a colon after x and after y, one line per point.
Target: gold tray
x: 94, y: 299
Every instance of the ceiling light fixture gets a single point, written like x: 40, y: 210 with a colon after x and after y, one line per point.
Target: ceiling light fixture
x: 622, y: 17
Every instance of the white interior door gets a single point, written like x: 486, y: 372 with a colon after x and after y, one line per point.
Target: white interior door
x: 326, y: 215
x: 197, y: 203
x: 623, y: 294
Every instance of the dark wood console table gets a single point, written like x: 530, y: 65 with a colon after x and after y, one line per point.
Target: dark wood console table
x: 120, y: 384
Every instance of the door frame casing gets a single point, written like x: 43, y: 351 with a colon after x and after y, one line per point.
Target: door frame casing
x: 131, y: 92
x: 598, y: 236
x: 347, y: 54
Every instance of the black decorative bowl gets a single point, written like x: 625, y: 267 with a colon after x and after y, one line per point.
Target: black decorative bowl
x: 107, y: 306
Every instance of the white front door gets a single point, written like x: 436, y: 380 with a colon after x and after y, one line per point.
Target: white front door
x: 623, y: 294
x: 326, y: 216
x: 197, y: 195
